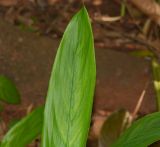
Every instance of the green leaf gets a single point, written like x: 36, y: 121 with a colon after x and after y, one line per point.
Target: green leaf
x: 8, y: 91
x: 23, y: 132
x: 142, y: 133
x: 112, y: 128
x: 12, y: 123
x: 71, y: 88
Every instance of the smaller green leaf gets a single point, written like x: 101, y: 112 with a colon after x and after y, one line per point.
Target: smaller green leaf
x: 142, y: 53
x: 112, y: 128
x: 142, y: 133
x: 8, y: 91
x: 25, y: 130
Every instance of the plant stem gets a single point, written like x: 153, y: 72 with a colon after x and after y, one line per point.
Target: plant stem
x: 123, y: 8
x: 156, y: 76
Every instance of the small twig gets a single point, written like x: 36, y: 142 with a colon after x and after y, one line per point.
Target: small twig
x: 140, y: 100
x: 146, y: 27
x: 2, y: 129
x: 29, y: 109
x: 150, y: 46
x: 107, y: 18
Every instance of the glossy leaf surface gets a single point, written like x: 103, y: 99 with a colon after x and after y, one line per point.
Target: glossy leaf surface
x: 142, y: 133
x: 23, y: 132
x: 71, y: 88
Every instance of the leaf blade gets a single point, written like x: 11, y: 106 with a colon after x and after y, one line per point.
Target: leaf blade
x: 70, y: 94
x: 25, y: 130
x: 142, y: 133
x: 8, y: 91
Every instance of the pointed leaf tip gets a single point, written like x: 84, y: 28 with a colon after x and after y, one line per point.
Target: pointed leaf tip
x: 70, y: 94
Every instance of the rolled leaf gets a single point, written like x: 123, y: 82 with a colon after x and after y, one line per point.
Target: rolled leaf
x: 113, y: 127
x: 71, y: 88
x: 8, y: 91
x: 142, y: 133
x: 23, y: 132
